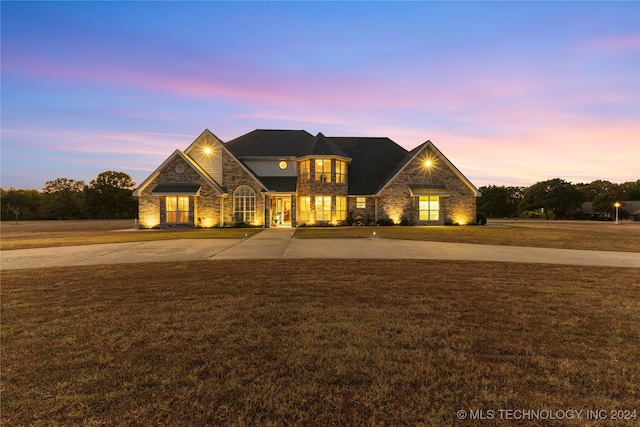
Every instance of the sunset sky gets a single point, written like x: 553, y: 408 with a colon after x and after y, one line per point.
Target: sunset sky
x: 511, y: 92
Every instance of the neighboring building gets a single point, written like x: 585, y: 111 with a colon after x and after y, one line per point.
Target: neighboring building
x: 292, y: 178
x: 628, y: 209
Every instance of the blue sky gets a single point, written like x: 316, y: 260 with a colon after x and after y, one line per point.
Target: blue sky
x: 512, y: 92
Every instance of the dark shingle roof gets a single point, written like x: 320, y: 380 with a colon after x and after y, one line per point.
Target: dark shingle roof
x: 372, y: 161
x: 190, y: 188
x: 321, y: 146
x: 263, y: 142
x: 281, y: 184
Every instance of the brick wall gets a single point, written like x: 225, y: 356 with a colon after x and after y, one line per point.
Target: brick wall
x: 204, y: 209
x: 396, y: 202
x: 234, y: 176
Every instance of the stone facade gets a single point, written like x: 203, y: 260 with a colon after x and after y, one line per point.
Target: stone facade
x: 312, y: 187
x: 397, y: 203
x: 235, y: 176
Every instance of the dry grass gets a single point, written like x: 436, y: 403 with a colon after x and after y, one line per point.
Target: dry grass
x: 43, y: 234
x: 312, y: 342
x: 599, y: 236
x: 549, y: 234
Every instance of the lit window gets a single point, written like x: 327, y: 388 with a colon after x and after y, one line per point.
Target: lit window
x: 361, y: 202
x: 305, y: 209
x: 177, y: 209
x: 244, y: 204
x: 341, y: 208
x: 323, y: 170
x: 323, y: 208
x: 429, y: 207
x: 305, y: 170
x: 341, y: 172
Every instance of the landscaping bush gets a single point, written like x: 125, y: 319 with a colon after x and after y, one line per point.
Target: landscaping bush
x: 481, y: 218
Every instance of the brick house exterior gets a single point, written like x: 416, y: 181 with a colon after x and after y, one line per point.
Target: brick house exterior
x: 292, y: 178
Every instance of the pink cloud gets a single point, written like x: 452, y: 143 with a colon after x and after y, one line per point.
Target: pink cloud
x: 612, y: 45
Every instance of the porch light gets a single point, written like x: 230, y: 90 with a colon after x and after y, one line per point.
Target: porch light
x: 207, y: 150
x: 428, y: 163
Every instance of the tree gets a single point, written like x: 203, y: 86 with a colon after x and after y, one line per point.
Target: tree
x: 556, y: 195
x: 595, y: 188
x: 630, y: 190
x: 499, y: 202
x: 109, y: 196
x: 24, y: 204
x: 64, y: 199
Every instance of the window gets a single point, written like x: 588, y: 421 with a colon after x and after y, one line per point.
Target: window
x: 361, y: 202
x: 323, y: 208
x: 341, y: 172
x: 429, y: 207
x: 305, y: 209
x: 244, y: 204
x: 323, y: 170
x: 341, y: 208
x: 305, y: 170
x: 177, y: 209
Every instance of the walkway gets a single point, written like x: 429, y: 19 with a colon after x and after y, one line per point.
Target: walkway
x: 279, y: 243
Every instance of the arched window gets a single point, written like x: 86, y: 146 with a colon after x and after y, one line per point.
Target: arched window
x: 244, y: 204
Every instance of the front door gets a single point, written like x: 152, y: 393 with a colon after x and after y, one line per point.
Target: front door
x: 282, y: 212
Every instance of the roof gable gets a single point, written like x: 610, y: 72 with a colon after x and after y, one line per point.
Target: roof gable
x: 416, y: 152
x: 322, y: 146
x: 190, y: 162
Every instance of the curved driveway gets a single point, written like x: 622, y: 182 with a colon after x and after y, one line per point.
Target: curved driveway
x: 278, y: 243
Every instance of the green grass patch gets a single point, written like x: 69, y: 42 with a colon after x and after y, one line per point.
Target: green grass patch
x: 315, y: 342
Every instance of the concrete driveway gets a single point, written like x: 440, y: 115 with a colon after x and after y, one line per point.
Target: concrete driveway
x: 278, y: 243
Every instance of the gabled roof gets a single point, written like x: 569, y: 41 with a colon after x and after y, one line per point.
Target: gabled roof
x: 265, y: 143
x: 415, y: 153
x: 372, y: 161
x: 190, y: 162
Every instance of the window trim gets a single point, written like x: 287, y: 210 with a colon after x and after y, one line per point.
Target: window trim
x: 326, y: 213
x: 430, y: 213
x: 324, y: 173
x: 341, y: 172
x: 244, y: 215
x: 341, y: 208
x: 175, y: 215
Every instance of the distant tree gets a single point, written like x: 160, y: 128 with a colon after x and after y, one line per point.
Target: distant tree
x: 556, y: 195
x: 630, y: 190
x: 499, y: 201
x: 595, y: 188
x: 21, y: 204
x: 64, y: 199
x: 109, y: 196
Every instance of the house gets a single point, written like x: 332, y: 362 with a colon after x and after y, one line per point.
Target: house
x: 292, y: 178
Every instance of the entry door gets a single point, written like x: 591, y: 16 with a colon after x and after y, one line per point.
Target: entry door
x: 283, y: 210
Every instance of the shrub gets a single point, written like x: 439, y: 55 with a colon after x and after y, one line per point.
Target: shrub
x: 481, y: 218
x: 385, y: 222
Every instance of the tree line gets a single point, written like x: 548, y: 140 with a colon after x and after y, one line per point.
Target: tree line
x: 108, y: 196
x: 555, y: 198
